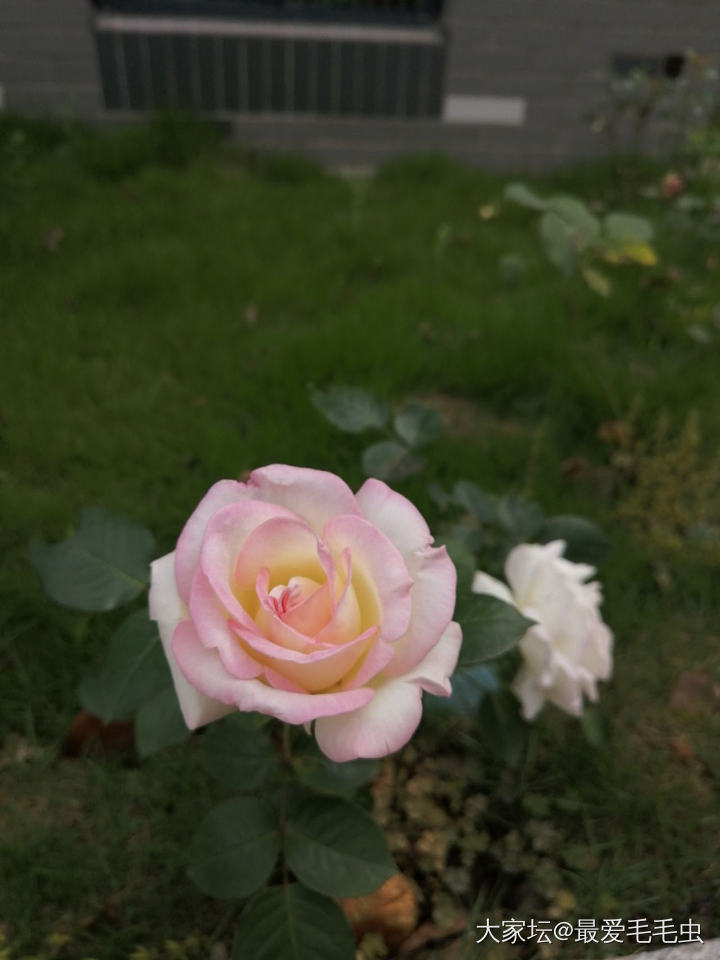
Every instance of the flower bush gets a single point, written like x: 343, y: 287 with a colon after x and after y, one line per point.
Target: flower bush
x: 291, y: 605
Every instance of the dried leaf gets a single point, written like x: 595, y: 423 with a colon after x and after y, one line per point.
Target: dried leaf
x: 682, y: 748
x: 88, y: 732
x: 391, y: 911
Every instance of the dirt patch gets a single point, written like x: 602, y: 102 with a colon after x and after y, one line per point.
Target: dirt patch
x: 465, y: 418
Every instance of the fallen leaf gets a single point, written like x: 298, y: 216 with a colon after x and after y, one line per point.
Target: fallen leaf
x: 390, y: 911
x: 88, y: 731
x: 682, y: 748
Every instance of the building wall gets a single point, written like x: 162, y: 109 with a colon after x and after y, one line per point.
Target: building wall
x: 527, y: 57
x: 552, y: 52
x: 47, y: 58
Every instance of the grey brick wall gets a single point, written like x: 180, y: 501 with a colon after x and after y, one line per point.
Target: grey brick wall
x: 550, y: 53
x: 47, y: 58
x: 547, y: 53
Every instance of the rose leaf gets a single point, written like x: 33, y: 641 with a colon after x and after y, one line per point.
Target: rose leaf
x: 335, y: 848
x: 235, y: 848
x: 290, y: 922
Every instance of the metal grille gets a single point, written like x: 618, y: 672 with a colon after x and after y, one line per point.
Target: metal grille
x: 239, y: 67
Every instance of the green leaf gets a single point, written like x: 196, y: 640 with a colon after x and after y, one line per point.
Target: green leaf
x: 519, y: 518
x: 103, y: 566
x: 290, y: 922
x: 524, y: 196
x: 439, y: 496
x: 238, y: 752
x: 501, y: 728
x: 351, y: 409
x: 469, y: 496
x: 159, y: 723
x: 335, y: 848
x: 592, y: 724
x: 470, y: 536
x: 586, y: 543
x: 468, y: 689
x: 235, y: 848
x: 598, y: 282
x: 319, y: 773
x: 134, y: 670
x: 389, y: 460
x: 627, y: 230
x: 560, y: 245
x: 584, y: 226
x: 418, y: 425
x: 490, y: 627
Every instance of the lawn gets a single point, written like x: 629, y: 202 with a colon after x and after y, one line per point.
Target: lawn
x: 165, y: 309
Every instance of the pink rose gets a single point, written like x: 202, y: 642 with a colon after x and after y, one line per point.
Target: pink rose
x: 291, y: 596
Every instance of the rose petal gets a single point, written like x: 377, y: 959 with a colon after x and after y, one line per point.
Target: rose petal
x: 267, y: 623
x: 314, y: 495
x: 310, y: 615
x: 346, y: 619
x: 382, y: 726
x: 314, y: 671
x: 164, y: 601
x: 204, y: 670
x: 285, y: 545
x: 225, y: 537
x: 528, y: 563
x: 434, y: 673
x: 187, y: 553
x: 565, y: 690
x: 484, y: 583
x: 214, y: 630
x: 380, y: 576
x: 376, y: 660
x: 280, y: 682
x: 529, y: 693
x: 166, y: 607
x: 433, y: 602
x: 399, y: 519
x: 392, y: 716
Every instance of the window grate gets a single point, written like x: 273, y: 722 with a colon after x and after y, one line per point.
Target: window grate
x: 237, y: 67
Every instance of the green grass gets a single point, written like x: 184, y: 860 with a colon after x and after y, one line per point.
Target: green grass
x: 131, y: 378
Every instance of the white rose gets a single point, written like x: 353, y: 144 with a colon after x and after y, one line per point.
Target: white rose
x: 569, y: 647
